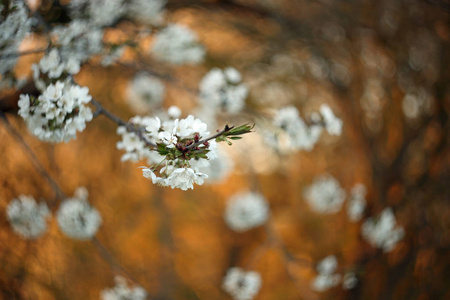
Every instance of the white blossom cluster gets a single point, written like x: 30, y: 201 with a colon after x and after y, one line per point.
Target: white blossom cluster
x: 121, y: 291
x: 107, y: 12
x: 383, y: 232
x: 327, y: 276
x: 144, y: 92
x: 333, y: 125
x: 79, y: 40
x: 241, y: 285
x: 245, y: 211
x: 174, y: 137
x: 14, y: 26
x: 178, y: 45
x: 135, y: 148
x: 58, y: 113
x: 51, y: 67
x: 223, y: 90
x: 357, y: 203
x: 98, y: 12
x: 291, y: 131
x: 27, y: 217
x: 325, y: 195
x: 77, y: 218
x: 147, y: 11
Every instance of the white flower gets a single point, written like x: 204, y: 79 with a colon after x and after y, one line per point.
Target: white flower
x: 357, y: 203
x: 27, y: 217
x: 333, y: 125
x: 325, y: 195
x: 177, y: 44
x: 77, y: 218
x: 184, y: 178
x: 384, y: 232
x: 14, y: 26
x: 78, y: 40
x: 326, y: 277
x: 147, y: 11
x: 168, y: 138
x: 223, y: 90
x: 59, y: 112
x: 122, y: 292
x: 174, y: 112
x: 246, y: 211
x: 144, y: 92
x: 349, y: 281
x: 292, y: 131
x: 241, y: 285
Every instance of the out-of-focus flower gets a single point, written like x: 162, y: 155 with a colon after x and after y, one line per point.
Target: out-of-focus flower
x: 349, y: 281
x: 223, y: 90
x: 383, y: 232
x: 246, y: 211
x: 77, y: 218
x: 325, y: 195
x: 144, y: 92
x: 147, y: 11
x: 122, y: 292
x: 178, y: 45
x: 241, y: 285
x: 326, y: 277
x: 27, y: 218
x: 357, y: 203
x: 14, y: 26
x: 333, y: 125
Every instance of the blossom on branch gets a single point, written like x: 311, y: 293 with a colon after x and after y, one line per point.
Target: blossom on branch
x: 58, y: 113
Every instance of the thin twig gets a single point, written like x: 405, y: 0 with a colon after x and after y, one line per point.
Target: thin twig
x: 226, y: 129
x: 17, y: 54
x: 130, y: 127
x: 37, y: 164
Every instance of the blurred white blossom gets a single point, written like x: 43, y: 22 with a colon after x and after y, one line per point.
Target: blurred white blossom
x: 325, y: 195
x: 121, y: 291
x: 383, y: 232
x: 14, y: 26
x: 333, y: 125
x: 349, y: 281
x: 241, y: 285
x: 135, y: 148
x: 223, y: 90
x: 27, y: 218
x: 357, y: 203
x: 77, y: 218
x: 147, y: 11
x: 178, y: 45
x: 245, y: 211
x: 291, y: 132
x: 79, y: 40
x: 326, y: 277
x: 144, y: 92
